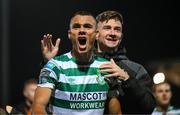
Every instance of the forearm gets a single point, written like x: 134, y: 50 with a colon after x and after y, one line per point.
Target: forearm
x: 38, y: 109
x: 114, y: 106
x: 41, y: 99
x: 140, y: 93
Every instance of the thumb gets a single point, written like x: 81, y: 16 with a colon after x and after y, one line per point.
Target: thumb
x: 57, y: 42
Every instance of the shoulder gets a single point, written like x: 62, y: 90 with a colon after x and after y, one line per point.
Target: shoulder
x: 63, y: 57
x: 133, y: 65
x: 100, y: 59
x: 57, y: 61
x: 174, y: 110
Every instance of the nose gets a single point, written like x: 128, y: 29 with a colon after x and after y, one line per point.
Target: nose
x: 82, y: 31
x: 112, y: 34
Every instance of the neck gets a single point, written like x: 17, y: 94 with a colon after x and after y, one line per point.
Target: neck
x: 162, y: 108
x: 101, y: 48
x: 83, y: 58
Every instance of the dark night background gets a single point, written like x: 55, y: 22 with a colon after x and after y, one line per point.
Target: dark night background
x: 150, y: 33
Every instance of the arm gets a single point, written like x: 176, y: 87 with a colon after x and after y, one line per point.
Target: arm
x: 139, y: 86
x: 41, y: 99
x: 135, y: 83
x: 114, y: 106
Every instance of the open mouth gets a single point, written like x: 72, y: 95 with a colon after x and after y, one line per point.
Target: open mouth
x: 111, y: 39
x: 82, y: 42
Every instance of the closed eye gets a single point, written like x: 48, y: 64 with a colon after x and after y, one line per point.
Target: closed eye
x: 107, y: 27
x: 76, y: 25
x: 88, y: 25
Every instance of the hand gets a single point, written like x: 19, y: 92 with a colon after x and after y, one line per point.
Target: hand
x: 114, y: 70
x: 47, y: 47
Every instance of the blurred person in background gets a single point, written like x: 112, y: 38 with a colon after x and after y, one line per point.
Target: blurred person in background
x: 2, y: 111
x: 163, y: 94
x: 25, y: 106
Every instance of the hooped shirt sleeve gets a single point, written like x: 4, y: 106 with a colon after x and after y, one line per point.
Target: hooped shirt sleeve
x: 49, y: 75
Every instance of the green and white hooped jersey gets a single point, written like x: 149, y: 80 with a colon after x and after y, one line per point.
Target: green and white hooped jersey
x: 170, y: 111
x: 76, y: 90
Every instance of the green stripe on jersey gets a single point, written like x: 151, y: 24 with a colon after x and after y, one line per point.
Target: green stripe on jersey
x: 81, y: 71
x: 65, y: 57
x: 62, y: 57
x: 57, y: 72
x: 81, y: 105
x: 82, y: 87
x: 97, y: 58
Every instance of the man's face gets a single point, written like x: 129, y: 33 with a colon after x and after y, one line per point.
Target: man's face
x: 29, y: 91
x: 109, y: 33
x: 163, y: 94
x: 82, y: 33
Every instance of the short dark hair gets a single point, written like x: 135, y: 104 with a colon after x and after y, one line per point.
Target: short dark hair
x: 82, y: 13
x: 107, y: 15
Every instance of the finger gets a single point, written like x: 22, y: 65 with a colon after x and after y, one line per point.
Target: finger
x: 108, y: 64
x: 107, y: 70
x: 50, y: 41
x: 105, y: 67
x: 49, y: 36
x: 57, y: 43
x: 42, y: 43
x: 111, y: 75
x: 44, y: 40
x: 112, y: 61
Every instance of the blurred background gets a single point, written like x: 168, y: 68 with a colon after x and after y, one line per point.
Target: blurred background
x: 151, y: 37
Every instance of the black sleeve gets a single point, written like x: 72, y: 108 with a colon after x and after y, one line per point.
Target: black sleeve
x: 138, y: 86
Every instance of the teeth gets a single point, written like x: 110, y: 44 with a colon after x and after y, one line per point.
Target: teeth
x: 112, y: 39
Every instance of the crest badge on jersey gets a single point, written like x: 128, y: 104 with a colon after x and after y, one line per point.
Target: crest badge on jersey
x: 44, y: 76
x: 100, y: 78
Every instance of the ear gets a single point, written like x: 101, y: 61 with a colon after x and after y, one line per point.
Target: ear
x: 97, y: 34
x: 154, y: 94
x: 170, y: 94
x: 69, y: 34
x: 122, y: 36
x: 25, y: 93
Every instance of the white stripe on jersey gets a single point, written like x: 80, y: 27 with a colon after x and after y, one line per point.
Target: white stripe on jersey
x: 88, y: 79
x: 64, y: 95
x: 63, y: 111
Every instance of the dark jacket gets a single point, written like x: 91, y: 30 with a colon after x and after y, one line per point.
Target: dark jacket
x: 134, y: 94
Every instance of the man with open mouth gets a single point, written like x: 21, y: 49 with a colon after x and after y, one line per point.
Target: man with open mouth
x: 70, y: 83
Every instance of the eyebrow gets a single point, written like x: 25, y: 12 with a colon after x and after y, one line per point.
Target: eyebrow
x: 76, y: 25
x: 109, y: 26
x: 105, y: 26
x: 86, y: 25
x: 119, y: 28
